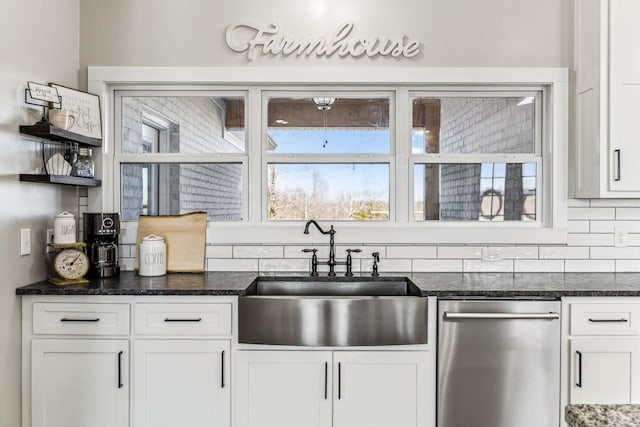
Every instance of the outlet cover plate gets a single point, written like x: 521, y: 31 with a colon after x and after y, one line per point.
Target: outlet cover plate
x: 492, y: 254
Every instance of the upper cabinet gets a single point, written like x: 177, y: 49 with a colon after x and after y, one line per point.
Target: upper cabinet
x: 607, y: 65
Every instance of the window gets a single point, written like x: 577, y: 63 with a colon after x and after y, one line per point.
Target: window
x: 476, y: 157
x: 180, y: 153
x: 413, y: 156
x: 328, y: 156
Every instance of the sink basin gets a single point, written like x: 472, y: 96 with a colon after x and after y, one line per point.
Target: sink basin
x: 332, y: 311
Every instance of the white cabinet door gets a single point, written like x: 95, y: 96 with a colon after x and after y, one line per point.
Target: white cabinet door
x: 283, y: 389
x: 605, y: 371
x: 80, y: 383
x: 381, y: 389
x: 181, y: 383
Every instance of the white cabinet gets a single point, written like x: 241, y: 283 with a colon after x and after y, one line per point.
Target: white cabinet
x: 80, y: 383
x: 607, y: 60
x: 340, y: 388
x: 603, y: 352
x: 181, y: 383
x: 284, y: 388
x: 380, y: 389
x: 605, y: 371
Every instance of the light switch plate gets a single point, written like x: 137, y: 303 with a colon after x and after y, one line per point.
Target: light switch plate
x: 25, y: 241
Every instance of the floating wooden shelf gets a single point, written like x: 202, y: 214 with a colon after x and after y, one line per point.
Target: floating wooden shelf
x: 52, y: 133
x: 60, y: 179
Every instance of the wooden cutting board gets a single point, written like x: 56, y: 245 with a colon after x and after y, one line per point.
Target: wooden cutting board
x: 184, y: 236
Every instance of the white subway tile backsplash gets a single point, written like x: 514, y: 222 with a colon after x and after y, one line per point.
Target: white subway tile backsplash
x: 518, y: 252
x: 258, y: 251
x: 631, y: 214
x: 437, y: 265
x: 633, y: 239
x: 296, y: 251
x: 218, y: 251
x: 588, y: 266
x: 126, y: 264
x: 610, y: 226
x: 295, y: 265
x: 591, y: 213
x: 615, y: 203
x: 615, y: 253
x: 411, y: 252
x: 225, y: 264
x: 534, y: 265
x: 387, y: 265
x: 590, y: 240
x: 564, y: 252
x: 477, y: 266
x: 578, y: 226
x: 83, y: 201
x: 627, y: 266
x: 124, y: 251
x: 578, y: 203
x: 468, y: 252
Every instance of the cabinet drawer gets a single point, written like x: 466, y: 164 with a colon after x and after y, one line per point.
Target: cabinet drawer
x: 605, y: 319
x: 189, y: 319
x: 81, y: 319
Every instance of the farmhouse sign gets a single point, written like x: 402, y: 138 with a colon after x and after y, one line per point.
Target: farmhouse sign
x: 267, y: 39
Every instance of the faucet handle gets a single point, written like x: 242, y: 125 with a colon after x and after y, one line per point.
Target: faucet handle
x: 355, y: 251
x: 314, y: 261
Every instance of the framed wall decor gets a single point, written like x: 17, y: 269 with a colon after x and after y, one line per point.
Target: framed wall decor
x: 85, y: 107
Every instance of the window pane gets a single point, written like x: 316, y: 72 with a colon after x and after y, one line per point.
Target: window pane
x: 328, y: 125
x: 475, y: 192
x: 473, y: 125
x: 183, y: 124
x: 179, y: 188
x: 355, y: 192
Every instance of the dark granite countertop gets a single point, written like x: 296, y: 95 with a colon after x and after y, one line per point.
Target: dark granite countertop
x: 602, y: 415
x: 550, y: 285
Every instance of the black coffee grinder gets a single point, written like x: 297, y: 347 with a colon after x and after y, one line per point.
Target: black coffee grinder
x: 101, y: 234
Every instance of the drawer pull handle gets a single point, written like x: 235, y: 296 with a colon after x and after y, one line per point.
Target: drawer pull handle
x: 199, y: 319
x: 71, y: 319
x: 120, y: 385
x: 608, y: 320
x: 222, y: 363
x: 579, y: 382
x: 326, y: 379
x: 339, y: 381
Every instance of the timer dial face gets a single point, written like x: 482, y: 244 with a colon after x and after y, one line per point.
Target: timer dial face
x: 71, y: 264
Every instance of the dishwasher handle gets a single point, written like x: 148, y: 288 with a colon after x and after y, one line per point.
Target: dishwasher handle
x: 448, y: 315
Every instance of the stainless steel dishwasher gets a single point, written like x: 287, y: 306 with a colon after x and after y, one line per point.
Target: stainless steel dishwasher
x: 498, y: 363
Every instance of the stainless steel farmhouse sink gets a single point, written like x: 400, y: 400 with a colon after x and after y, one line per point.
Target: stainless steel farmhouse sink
x: 332, y: 311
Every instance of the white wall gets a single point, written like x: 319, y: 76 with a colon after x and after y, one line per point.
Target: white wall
x: 494, y: 33
x: 39, y: 43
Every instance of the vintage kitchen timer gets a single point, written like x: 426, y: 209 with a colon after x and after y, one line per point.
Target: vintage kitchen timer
x: 70, y: 263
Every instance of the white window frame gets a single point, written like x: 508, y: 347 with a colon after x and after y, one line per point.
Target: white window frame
x: 120, y: 158
x: 541, y: 145
x: 319, y: 158
x: 554, y: 81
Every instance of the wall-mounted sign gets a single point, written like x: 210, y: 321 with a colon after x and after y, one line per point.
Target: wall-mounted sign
x: 255, y: 39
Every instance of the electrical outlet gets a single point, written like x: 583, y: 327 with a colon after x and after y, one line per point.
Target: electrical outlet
x: 49, y: 238
x: 25, y: 241
x: 620, y: 238
x: 491, y: 254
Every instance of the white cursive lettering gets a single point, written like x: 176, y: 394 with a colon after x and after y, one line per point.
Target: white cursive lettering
x: 267, y: 40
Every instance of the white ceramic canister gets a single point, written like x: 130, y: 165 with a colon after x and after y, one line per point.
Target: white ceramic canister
x: 153, y: 256
x: 64, y: 228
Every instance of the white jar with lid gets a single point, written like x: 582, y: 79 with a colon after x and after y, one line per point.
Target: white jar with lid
x: 153, y: 256
x: 64, y: 228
